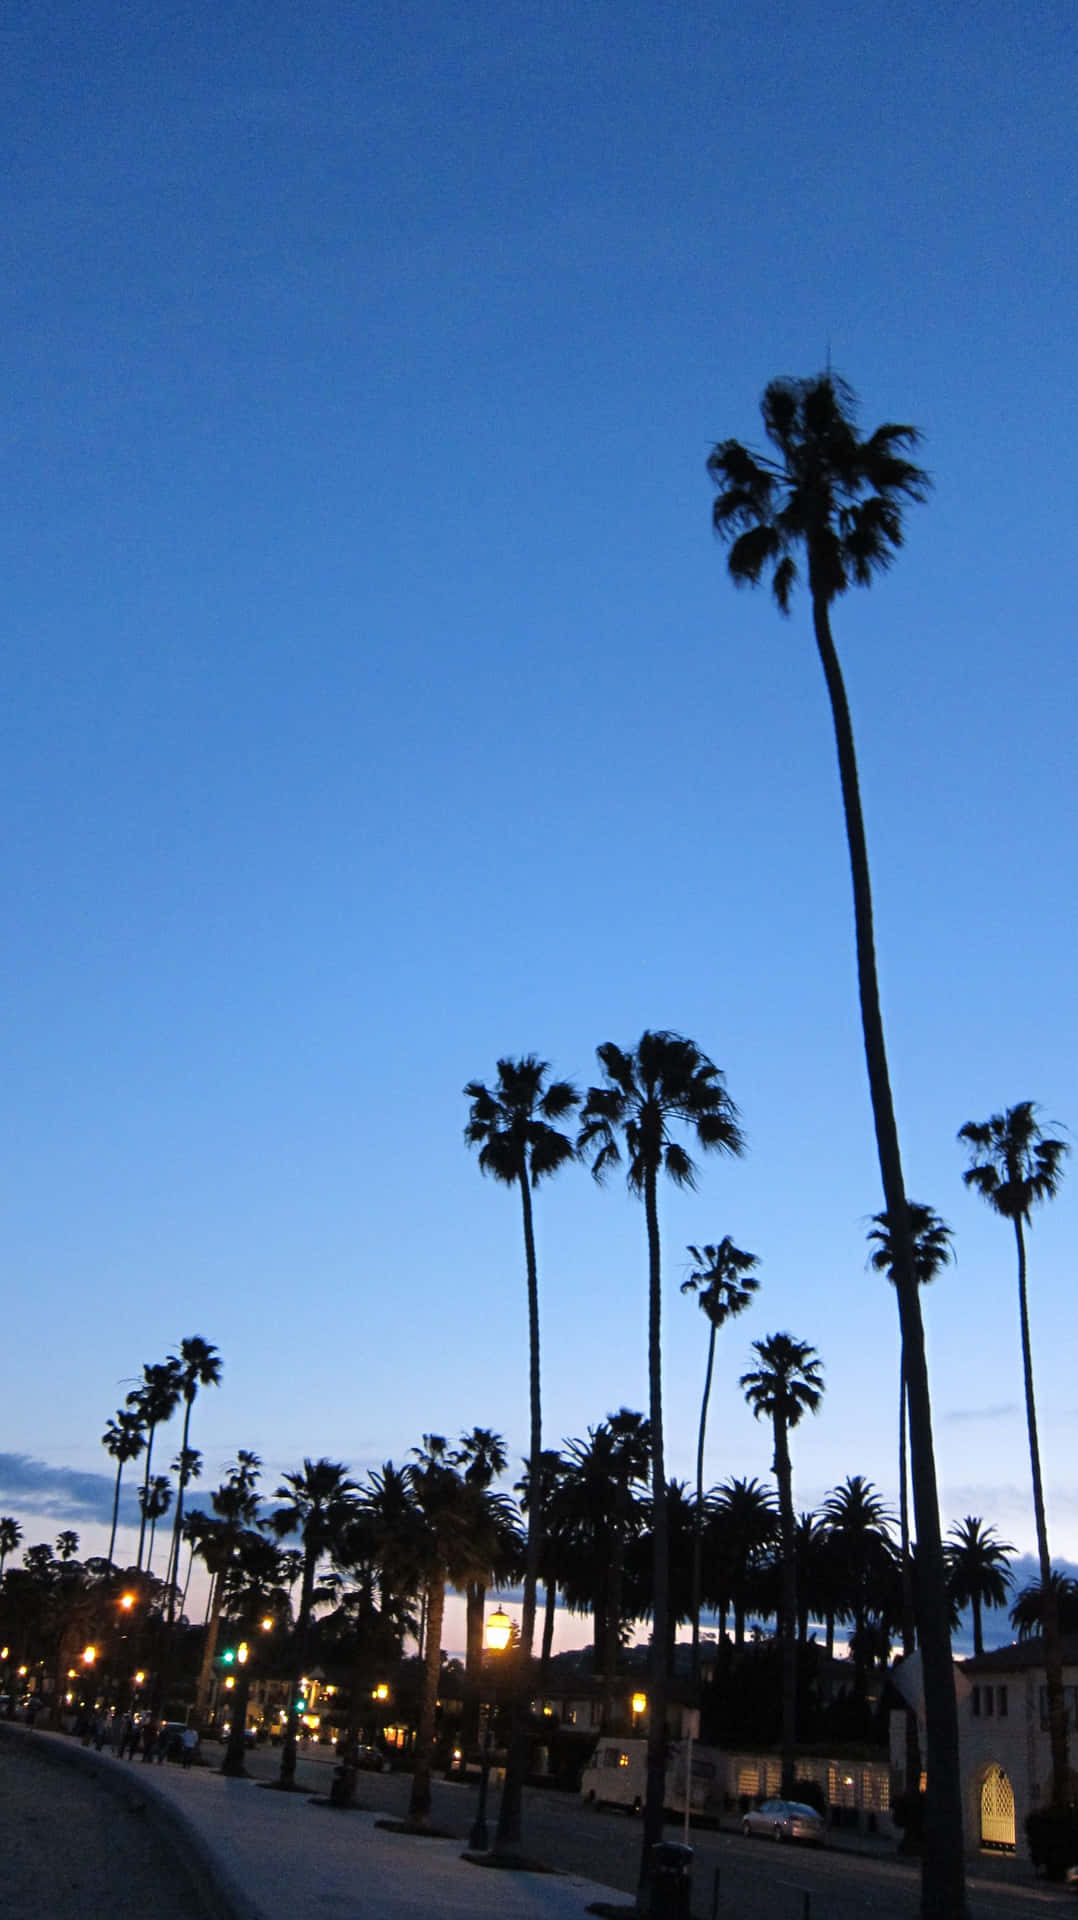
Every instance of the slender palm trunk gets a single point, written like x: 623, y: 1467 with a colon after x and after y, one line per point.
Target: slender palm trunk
x: 909, y: 1623
x: 177, y: 1522
x: 943, y: 1886
x: 209, y: 1648
x: 698, y: 1521
x: 145, y: 1491
x: 115, y: 1517
x: 550, y: 1597
x: 660, y: 1525
x: 419, y: 1805
x: 1053, y: 1650
x: 507, y: 1839
x: 475, y: 1602
x: 612, y: 1635
x: 784, y: 1477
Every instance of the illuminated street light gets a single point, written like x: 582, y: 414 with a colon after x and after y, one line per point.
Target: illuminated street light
x: 497, y: 1634
x: 381, y: 1692
x: 89, y: 1655
x: 127, y: 1601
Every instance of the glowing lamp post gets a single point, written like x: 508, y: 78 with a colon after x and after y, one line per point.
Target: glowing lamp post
x: 497, y: 1634
x: 640, y: 1705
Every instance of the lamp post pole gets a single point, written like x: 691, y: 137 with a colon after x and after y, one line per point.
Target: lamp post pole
x: 497, y: 1634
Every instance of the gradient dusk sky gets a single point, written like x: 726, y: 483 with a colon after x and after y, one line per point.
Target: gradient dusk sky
x: 375, y: 703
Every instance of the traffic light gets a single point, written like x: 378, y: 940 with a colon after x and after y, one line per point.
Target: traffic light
x: 228, y: 1657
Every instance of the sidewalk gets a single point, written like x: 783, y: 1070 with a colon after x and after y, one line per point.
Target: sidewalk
x: 275, y: 1856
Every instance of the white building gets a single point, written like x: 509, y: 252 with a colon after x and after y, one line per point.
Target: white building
x: 1003, y: 1740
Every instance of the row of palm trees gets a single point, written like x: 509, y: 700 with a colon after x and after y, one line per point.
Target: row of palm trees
x: 165, y: 1386
x: 832, y: 499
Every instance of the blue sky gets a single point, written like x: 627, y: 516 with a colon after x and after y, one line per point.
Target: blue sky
x: 375, y: 703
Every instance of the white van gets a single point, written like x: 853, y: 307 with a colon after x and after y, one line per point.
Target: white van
x: 617, y: 1776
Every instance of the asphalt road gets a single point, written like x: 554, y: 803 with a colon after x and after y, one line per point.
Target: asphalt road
x: 70, y: 1850
x: 733, y: 1878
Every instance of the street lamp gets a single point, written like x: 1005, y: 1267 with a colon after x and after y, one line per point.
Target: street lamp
x: 497, y: 1635
x: 640, y: 1705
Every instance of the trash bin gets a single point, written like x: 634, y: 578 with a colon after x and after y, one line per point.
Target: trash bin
x: 670, y: 1881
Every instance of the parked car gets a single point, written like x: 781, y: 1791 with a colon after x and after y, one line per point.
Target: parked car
x: 785, y: 1820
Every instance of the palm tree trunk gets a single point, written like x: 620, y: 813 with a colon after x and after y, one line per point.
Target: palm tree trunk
x: 177, y: 1522
x: 943, y: 1885
x: 115, y: 1517
x: 784, y: 1477
x: 419, y: 1805
x: 209, y: 1648
x: 1053, y: 1650
x: 698, y: 1521
x: 475, y: 1602
x: 612, y: 1635
x: 660, y: 1594
x: 507, y: 1839
x: 909, y: 1626
x: 550, y: 1609
x: 145, y: 1492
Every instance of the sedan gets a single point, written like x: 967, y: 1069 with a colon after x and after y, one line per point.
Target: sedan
x: 785, y: 1820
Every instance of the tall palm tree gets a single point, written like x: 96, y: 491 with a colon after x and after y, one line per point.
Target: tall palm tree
x: 742, y: 1527
x: 10, y: 1536
x: 722, y: 1280
x: 319, y: 1502
x: 513, y: 1125
x: 124, y: 1438
x: 552, y: 1472
x: 1015, y: 1166
x: 663, y: 1084
x: 235, y: 1506
x: 155, y: 1401
x: 198, y: 1364
x: 786, y: 1384
x: 67, y: 1544
x: 154, y: 1502
x: 441, y: 1536
x: 860, y: 1529
x: 980, y: 1575
x: 930, y: 1238
x: 482, y: 1457
x: 838, y: 498
x: 1027, y: 1613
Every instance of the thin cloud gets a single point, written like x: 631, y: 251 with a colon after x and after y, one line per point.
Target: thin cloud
x: 1004, y: 1411
x: 62, y: 1493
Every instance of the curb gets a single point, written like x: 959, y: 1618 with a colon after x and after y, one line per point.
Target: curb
x: 222, y: 1895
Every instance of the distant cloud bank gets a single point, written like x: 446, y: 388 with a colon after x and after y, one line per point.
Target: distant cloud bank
x: 61, y: 1493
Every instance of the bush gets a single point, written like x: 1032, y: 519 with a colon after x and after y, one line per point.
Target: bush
x: 1052, y: 1833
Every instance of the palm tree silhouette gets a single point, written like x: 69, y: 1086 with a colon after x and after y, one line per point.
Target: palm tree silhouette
x: 10, y: 1536
x: 664, y: 1083
x: 319, y: 1502
x: 785, y: 1385
x: 123, y: 1438
x: 198, y: 1364
x: 513, y: 1126
x: 980, y: 1576
x: 154, y: 1401
x: 930, y: 1238
x: 742, y: 1527
x: 722, y: 1280
x: 1015, y: 1166
x: 860, y: 1530
x: 839, y: 498
x: 1027, y: 1613
x: 154, y: 1501
x: 235, y: 1509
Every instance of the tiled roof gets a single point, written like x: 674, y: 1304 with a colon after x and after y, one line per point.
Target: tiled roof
x: 1020, y: 1657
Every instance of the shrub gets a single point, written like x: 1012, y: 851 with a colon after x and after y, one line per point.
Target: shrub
x: 1052, y: 1833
